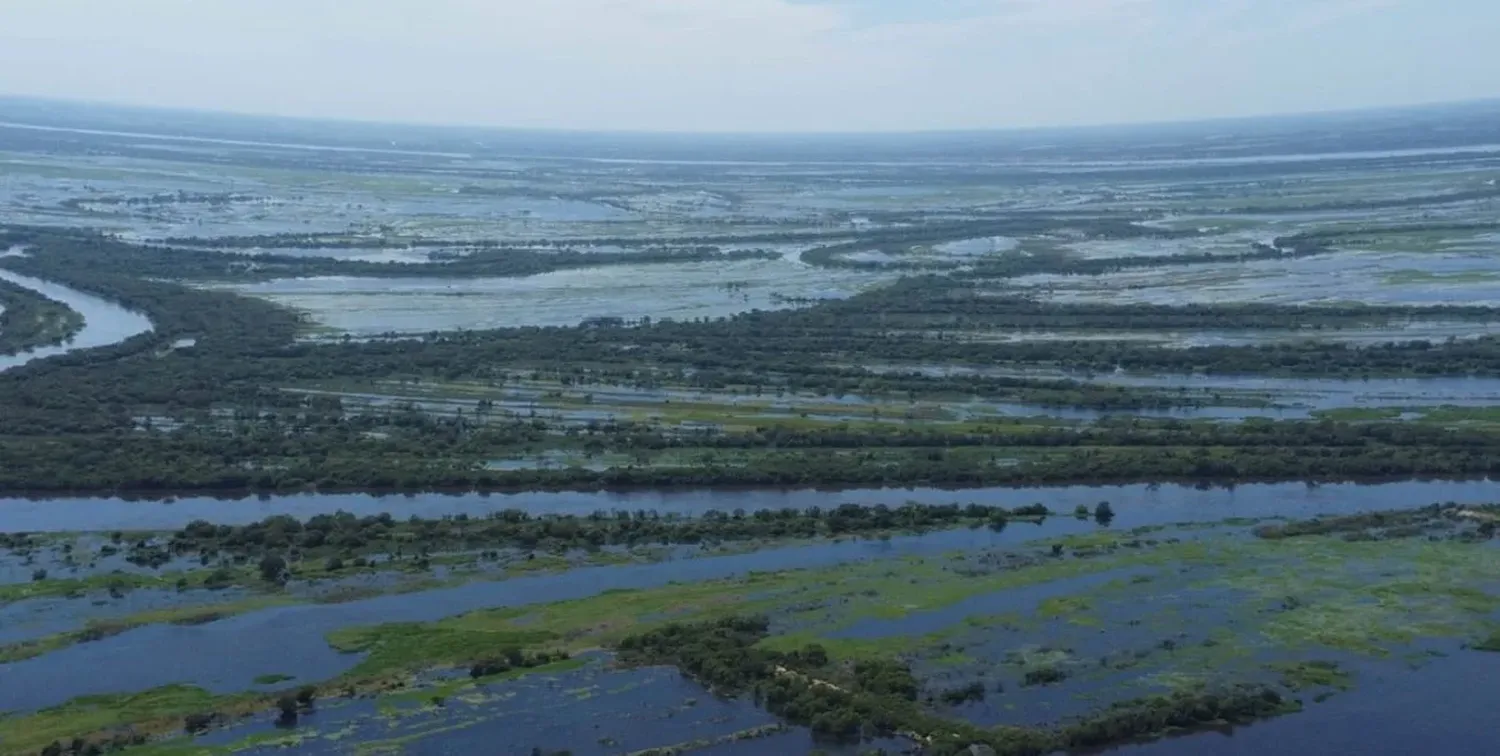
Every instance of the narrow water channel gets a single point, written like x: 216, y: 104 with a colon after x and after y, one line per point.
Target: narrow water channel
x: 104, y: 322
x: 1153, y: 502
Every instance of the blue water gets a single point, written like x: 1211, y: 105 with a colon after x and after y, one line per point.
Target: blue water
x: 1142, y: 503
x: 1445, y: 708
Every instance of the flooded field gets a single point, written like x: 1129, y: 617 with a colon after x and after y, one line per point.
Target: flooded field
x: 1376, y: 278
x: 678, y: 292
x: 1045, y: 623
x: 396, y: 440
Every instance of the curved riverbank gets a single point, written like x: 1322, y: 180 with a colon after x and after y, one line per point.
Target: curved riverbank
x: 104, y: 322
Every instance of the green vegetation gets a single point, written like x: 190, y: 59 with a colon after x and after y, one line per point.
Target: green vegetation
x: 1306, y: 589
x: 1299, y: 676
x: 96, y: 630
x: 132, y: 717
x: 74, y: 422
x: 343, y: 537
x: 878, y: 697
x: 29, y: 320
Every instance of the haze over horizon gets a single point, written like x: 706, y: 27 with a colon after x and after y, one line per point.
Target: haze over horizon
x: 754, y: 65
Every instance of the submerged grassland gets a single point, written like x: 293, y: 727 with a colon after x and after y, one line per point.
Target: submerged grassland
x: 1047, y: 636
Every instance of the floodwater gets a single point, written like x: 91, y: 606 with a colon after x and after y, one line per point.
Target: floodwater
x: 1137, y: 503
x: 293, y: 637
x: 680, y: 291
x: 104, y: 322
x: 595, y: 711
x: 1443, y: 708
x: 1288, y: 393
x: 1025, y: 599
x: 1383, y: 278
x: 164, y: 654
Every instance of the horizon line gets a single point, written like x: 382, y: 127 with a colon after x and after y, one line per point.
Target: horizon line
x: 815, y: 133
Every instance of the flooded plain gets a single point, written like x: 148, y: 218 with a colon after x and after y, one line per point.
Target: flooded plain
x: 1052, y: 621
x: 1343, y: 598
x: 684, y: 291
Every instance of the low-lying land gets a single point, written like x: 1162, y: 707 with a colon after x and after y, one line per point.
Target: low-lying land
x: 1078, y: 641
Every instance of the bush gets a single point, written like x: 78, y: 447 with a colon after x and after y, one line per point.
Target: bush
x: 1044, y: 676
x: 273, y: 568
x: 1104, y: 513
x: 972, y: 692
x: 306, y: 695
x: 196, y: 723
x: 488, y: 667
x: 288, y: 708
x: 219, y: 579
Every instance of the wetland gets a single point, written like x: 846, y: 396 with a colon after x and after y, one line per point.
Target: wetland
x: 311, y: 444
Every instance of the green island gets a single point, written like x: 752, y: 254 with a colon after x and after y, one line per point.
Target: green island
x: 29, y: 321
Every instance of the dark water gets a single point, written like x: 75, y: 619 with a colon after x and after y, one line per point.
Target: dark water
x: 1155, y: 503
x: 1444, y: 708
x: 225, y: 656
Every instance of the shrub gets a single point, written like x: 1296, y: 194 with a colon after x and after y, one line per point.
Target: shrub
x: 1044, y: 676
x: 1104, y: 513
x: 273, y: 568
x: 196, y: 723
x: 288, y: 708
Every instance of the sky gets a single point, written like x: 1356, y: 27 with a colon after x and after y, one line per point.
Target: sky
x: 754, y: 65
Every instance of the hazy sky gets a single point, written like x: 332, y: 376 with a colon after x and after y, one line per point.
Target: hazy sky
x: 752, y: 65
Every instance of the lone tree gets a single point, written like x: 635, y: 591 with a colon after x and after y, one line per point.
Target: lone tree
x: 273, y: 569
x: 306, y: 695
x: 1104, y: 513
x: 288, y: 707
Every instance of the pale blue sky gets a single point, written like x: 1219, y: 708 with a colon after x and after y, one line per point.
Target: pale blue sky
x: 754, y: 65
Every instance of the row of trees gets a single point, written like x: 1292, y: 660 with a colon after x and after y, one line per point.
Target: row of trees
x: 878, y: 697
x: 72, y: 423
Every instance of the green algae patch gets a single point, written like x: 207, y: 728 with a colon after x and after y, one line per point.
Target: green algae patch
x: 407, y: 647
x: 456, y: 688
x: 97, y: 630
x: 1064, y: 607
x: 1299, y: 676
x: 1490, y: 642
x: 88, y: 715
